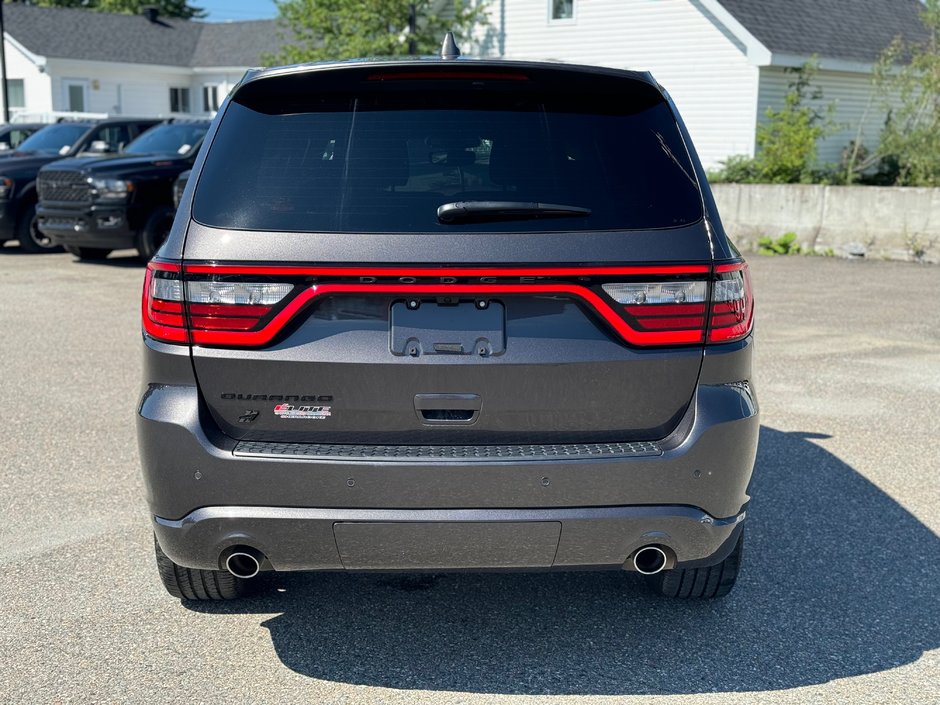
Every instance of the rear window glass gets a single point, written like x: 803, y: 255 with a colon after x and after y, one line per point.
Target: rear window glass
x: 386, y: 158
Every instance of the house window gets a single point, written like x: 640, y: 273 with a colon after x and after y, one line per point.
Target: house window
x: 15, y: 93
x: 562, y: 9
x: 210, y: 98
x: 179, y: 100
x: 76, y: 95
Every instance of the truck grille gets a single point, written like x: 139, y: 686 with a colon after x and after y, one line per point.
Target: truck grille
x: 63, y: 186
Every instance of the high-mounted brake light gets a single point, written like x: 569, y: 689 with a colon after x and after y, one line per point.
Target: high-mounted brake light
x: 447, y: 75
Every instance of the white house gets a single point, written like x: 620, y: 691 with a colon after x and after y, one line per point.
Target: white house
x: 722, y: 61
x: 61, y: 59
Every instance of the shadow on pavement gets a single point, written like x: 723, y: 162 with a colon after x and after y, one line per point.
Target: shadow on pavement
x: 114, y: 260
x: 131, y: 261
x: 838, y: 580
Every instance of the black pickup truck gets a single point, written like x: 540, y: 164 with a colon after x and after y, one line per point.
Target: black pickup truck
x: 13, y: 134
x: 94, y: 207
x: 85, y: 139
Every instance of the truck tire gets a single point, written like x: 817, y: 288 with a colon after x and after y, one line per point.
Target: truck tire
x: 708, y: 582
x: 197, y: 584
x: 27, y: 232
x: 155, y: 231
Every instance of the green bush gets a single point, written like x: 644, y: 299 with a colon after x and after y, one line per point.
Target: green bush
x: 786, y: 140
x: 908, y: 77
x: 786, y: 244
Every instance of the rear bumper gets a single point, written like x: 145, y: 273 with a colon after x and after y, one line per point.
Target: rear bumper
x: 88, y: 226
x: 206, y: 495
x: 457, y: 539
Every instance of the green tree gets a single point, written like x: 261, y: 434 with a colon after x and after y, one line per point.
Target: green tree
x: 787, y: 140
x: 908, y: 77
x: 346, y: 29
x: 167, y: 8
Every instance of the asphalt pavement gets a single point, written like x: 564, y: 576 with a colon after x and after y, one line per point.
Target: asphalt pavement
x: 839, y: 600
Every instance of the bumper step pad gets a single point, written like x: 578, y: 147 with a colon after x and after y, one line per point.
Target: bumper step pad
x: 422, y: 453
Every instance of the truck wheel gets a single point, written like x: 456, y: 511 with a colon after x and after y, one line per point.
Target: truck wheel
x: 708, y: 582
x: 197, y: 584
x: 155, y: 232
x: 88, y: 253
x: 28, y: 233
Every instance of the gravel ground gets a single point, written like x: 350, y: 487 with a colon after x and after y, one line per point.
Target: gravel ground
x: 839, y: 601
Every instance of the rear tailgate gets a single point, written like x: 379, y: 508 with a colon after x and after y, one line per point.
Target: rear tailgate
x: 329, y: 304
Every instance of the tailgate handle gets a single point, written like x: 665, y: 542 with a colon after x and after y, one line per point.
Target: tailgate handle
x: 448, y: 408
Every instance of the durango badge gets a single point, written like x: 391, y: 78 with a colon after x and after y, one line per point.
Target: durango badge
x: 313, y: 413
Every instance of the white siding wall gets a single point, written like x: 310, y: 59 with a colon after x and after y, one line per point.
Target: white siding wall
x: 116, y: 89
x: 709, y: 78
x: 854, y: 101
x: 224, y: 82
x: 35, y: 83
x: 130, y: 89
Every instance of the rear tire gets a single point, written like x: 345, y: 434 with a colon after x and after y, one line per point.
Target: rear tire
x: 29, y: 235
x: 155, y: 232
x: 197, y: 584
x: 88, y: 253
x: 705, y: 583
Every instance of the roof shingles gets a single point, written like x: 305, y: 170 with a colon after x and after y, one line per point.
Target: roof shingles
x: 856, y: 30
x: 97, y: 36
x: 844, y: 29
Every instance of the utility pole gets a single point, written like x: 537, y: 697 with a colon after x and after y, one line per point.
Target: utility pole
x: 412, y: 29
x: 3, y: 68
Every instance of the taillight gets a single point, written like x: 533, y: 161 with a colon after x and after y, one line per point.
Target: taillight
x: 232, y: 306
x: 674, y: 309
x: 163, y: 314
x: 732, y: 304
x: 250, y: 305
x: 681, y: 311
x: 178, y: 312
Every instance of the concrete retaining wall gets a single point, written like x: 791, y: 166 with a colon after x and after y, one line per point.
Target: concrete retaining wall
x: 869, y: 221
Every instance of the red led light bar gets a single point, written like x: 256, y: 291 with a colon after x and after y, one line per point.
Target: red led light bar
x: 230, y: 325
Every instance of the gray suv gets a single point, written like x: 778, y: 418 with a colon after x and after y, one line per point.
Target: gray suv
x: 445, y: 315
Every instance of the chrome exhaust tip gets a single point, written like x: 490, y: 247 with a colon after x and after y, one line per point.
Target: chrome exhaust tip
x: 649, y: 560
x: 243, y: 563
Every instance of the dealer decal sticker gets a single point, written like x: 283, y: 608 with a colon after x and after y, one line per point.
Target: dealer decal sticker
x: 311, y: 413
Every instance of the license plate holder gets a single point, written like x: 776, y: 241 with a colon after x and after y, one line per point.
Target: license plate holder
x: 447, y: 329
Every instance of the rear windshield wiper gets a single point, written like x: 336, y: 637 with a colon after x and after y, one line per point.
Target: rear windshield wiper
x: 505, y: 210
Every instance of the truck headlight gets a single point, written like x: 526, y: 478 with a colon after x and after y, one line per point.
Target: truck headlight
x: 110, y: 189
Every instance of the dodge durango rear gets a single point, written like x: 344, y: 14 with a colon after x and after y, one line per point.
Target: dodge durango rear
x: 447, y: 315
